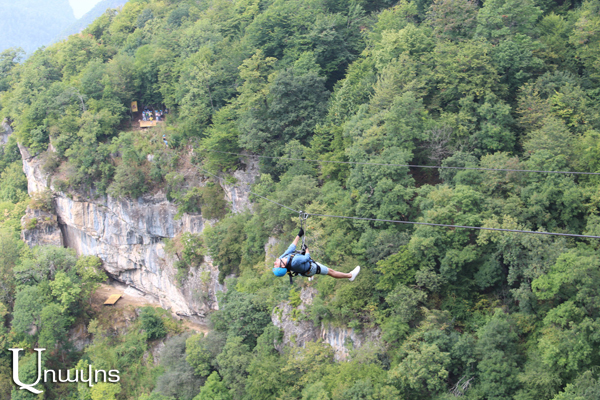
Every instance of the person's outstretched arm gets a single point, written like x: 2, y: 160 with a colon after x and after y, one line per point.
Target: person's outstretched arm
x: 300, y: 234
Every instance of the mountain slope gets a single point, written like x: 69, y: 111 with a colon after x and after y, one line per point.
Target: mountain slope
x: 88, y: 18
x: 32, y: 23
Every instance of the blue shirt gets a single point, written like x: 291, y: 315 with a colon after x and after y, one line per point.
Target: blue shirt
x: 300, y: 263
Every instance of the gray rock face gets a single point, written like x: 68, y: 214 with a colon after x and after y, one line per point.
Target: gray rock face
x: 40, y: 228
x: 297, y: 331
x: 128, y: 235
x: 238, y: 194
x: 5, y: 132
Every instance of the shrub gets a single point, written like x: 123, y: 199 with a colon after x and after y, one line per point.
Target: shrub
x: 31, y: 224
x: 51, y: 162
x: 210, y: 200
x: 152, y: 323
x: 41, y: 201
x: 60, y: 185
x: 130, y: 181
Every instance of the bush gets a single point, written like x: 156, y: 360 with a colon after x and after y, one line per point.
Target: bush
x: 210, y: 200
x: 51, y: 162
x: 60, y: 185
x: 130, y: 181
x: 31, y: 224
x: 41, y: 201
x: 152, y: 323
x: 224, y: 242
x: 179, y: 379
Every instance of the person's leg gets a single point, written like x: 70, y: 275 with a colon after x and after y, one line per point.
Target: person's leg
x: 338, y: 275
x: 333, y: 273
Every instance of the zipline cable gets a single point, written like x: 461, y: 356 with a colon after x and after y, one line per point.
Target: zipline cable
x: 459, y: 226
x: 481, y: 228
x: 405, y: 165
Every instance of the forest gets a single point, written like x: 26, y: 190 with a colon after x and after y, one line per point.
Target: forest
x: 497, y: 84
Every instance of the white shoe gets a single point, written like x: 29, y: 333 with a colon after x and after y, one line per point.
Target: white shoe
x: 354, y: 272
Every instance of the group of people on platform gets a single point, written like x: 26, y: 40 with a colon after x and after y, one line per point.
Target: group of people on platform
x: 153, y: 115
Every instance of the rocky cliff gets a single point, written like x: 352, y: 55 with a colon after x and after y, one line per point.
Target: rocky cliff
x: 298, y: 330
x: 128, y: 235
x: 5, y: 132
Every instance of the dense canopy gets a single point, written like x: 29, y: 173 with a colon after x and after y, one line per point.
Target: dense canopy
x: 493, y: 83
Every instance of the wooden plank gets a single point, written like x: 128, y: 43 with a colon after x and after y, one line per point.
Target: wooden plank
x: 148, y: 124
x: 112, y: 299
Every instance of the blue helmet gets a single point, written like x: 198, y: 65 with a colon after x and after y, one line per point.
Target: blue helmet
x: 279, y: 271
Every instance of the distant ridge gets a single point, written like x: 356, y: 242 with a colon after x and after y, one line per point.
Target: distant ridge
x: 30, y: 24
x: 88, y: 18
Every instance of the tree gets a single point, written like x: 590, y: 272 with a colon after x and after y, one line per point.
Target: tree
x: 454, y: 20
x: 178, y: 380
x: 89, y: 269
x: 152, y: 323
x: 422, y: 371
x: 502, y: 18
x: 233, y: 363
x: 214, y: 389
x: 28, y: 373
x: 46, y: 263
x: 201, y: 351
x: 27, y: 311
x: 105, y: 391
x: 242, y: 315
x: 586, y: 37
x: 586, y: 386
x: 293, y: 102
x: 65, y: 290
x: 498, y: 365
x: 53, y: 327
x: 9, y: 256
x: 9, y: 58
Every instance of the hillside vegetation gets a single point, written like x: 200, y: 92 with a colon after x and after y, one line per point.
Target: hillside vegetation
x: 501, y: 84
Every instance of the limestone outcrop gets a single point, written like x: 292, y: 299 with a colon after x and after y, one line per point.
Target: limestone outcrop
x: 41, y: 228
x: 298, y: 330
x: 5, y: 132
x: 128, y: 235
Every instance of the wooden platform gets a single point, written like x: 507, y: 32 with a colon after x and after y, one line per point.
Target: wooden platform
x: 148, y: 124
x: 112, y: 299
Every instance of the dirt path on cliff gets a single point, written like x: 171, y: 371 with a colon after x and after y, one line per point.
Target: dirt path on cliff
x: 130, y: 300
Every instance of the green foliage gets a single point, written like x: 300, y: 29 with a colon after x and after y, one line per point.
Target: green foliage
x: 9, y: 257
x: 64, y: 290
x: 105, y: 391
x: 208, y: 200
x: 499, y: 362
x: 89, y: 268
x: 178, y: 381
x: 397, y: 268
x: 499, y: 84
x: 224, y: 242
x: 27, y: 312
x: 152, y: 324
x: 232, y: 363
x: 214, y: 389
x: 243, y: 315
x: 13, y: 184
x: 201, y: 351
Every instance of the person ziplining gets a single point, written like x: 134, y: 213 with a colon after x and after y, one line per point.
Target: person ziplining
x: 296, y: 263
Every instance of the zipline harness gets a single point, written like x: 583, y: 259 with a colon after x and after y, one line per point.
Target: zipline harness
x: 288, y: 265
